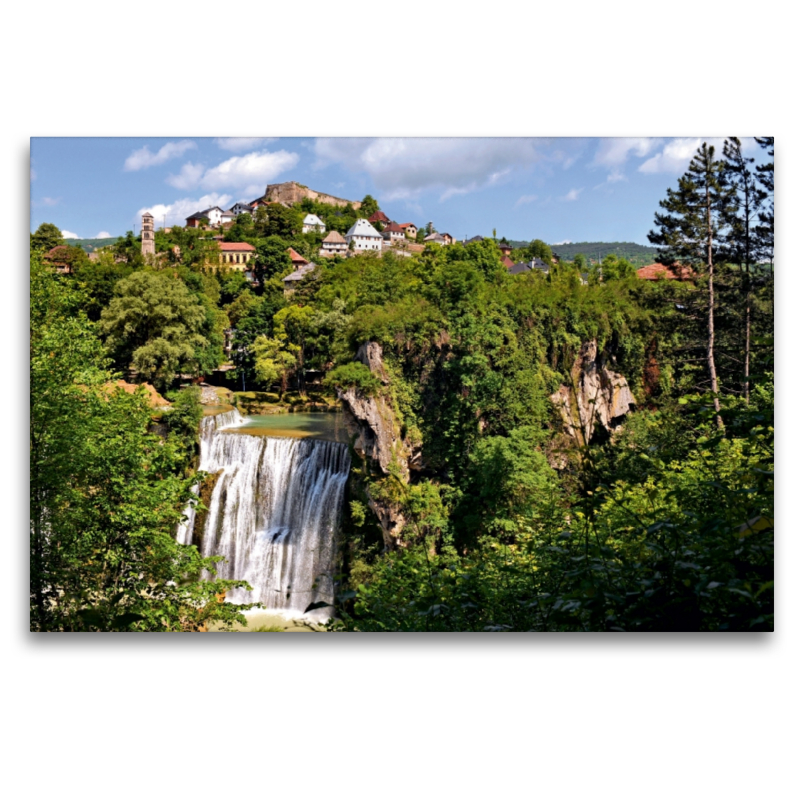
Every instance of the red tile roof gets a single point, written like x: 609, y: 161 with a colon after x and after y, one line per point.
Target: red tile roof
x: 236, y: 247
x: 675, y: 272
x: 296, y: 257
x: 507, y: 262
x: 405, y: 225
x: 393, y: 226
x: 379, y: 216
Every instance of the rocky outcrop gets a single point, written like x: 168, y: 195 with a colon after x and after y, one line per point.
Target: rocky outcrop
x: 598, y: 399
x: 292, y: 192
x: 371, y: 420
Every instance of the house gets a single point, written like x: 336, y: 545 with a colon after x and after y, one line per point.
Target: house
x: 656, y: 272
x: 394, y: 233
x: 241, y: 208
x: 290, y: 281
x: 313, y: 224
x: 58, y: 257
x: 236, y: 255
x: 435, y: 238
x: 540, y: 264
x: 527, y: 266
x: 213, y: 215
x: 448, y: 239
x: 505, y: 248
x: 474, y: 239
x: 297, y: 260
x: 506, y: 262
x: 362, y: 236
x: 410, y: 229
x: 334, y: 243
x: 379, y: 216
x: 227, y: 218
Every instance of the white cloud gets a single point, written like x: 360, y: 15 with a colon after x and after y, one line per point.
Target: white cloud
x: 177, y: 212
x: 614, y: 152
x: 566, y: 241
x: 238, y: 143
x: 572, y: 194
x: 143, y: 158
x: 615, y: 175
x: 69, y: 235
x: 189, y: 176
x: 403, y: 168
x: 526, y: 198
x: 677, y: 154
x: 103, y: 235
x: 250, y: 173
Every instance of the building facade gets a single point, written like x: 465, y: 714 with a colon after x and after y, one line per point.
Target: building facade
x: 362, y: 236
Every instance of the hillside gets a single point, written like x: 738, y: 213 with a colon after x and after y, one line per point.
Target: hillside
x: 638, y: 254
x: 90, y: 245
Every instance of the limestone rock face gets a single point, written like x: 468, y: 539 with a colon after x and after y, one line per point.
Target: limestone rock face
x: 372, y: 421
x: 598, y: 398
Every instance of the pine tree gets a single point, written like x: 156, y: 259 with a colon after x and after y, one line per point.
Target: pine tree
x: 689, y: 232
x: 766, y: 176
x: 740, y: 242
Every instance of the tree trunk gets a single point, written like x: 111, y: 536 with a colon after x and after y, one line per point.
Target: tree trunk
x: 712, y: 367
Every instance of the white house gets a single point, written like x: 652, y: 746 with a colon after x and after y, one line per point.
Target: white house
x: 241, y: 208
x: 435, y: 238
x: 312, y: 223
x: 213, y: 215
x: 363, y: 236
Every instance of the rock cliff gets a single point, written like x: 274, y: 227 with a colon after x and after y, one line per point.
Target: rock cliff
x: 598, y: 399
x: 379, y: 443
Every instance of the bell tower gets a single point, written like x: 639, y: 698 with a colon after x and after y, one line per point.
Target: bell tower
x: 148, y: 235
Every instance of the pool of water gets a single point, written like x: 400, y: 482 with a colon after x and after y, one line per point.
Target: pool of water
x: 323, y: 425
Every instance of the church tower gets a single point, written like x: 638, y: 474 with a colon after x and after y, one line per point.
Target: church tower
x: 148, y: 235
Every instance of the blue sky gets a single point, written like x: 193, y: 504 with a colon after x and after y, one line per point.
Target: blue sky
x: 556, y: 189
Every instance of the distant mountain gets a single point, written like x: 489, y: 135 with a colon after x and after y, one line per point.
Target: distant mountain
x: 90, y: 245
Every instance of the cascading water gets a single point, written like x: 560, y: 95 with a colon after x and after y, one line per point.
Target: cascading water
x: 272, y: 514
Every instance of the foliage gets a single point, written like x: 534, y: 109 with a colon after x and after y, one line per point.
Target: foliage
x: 106, y: 496
x: 46, y: 237
x: 154, y: 323
x: 353, y: 376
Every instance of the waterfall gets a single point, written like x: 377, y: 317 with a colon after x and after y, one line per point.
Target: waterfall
x: 272, y: 514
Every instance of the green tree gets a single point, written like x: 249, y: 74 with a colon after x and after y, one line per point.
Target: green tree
x: 369, y: 205
x: 275, y: 360
x: 272, y: 260
x: 154, y: 324
x: 538, y: 249
x: 740, y: 242
x: 106, y: 495
x: 766, y: 175
x: 689, y: 233
x: 47, y: 237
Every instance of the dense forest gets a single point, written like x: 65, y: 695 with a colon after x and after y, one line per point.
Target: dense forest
x: 500, y: 507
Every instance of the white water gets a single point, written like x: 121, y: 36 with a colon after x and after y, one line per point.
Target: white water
x: 273, y: 514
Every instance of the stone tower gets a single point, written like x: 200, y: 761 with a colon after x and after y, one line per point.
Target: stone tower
x: 148, y: 235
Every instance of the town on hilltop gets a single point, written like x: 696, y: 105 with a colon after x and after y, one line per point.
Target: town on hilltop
x: 316, y: 226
